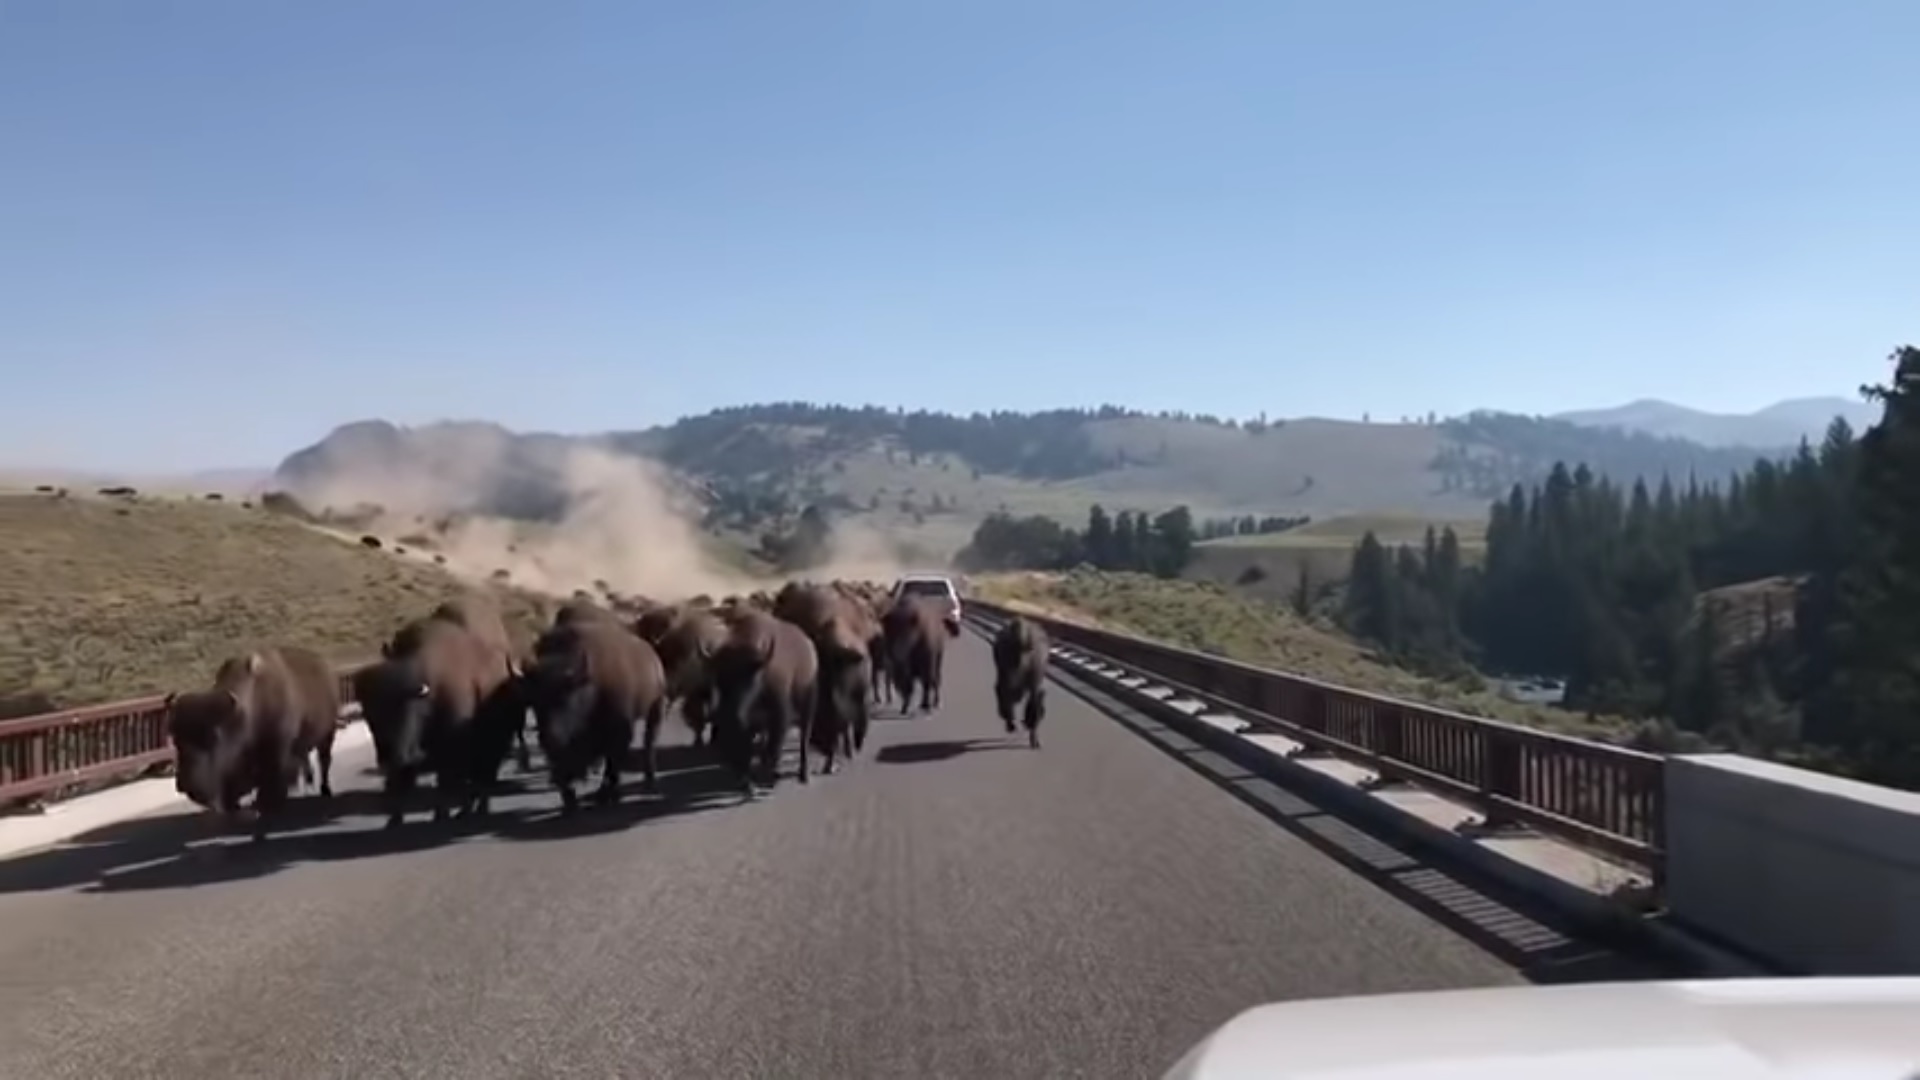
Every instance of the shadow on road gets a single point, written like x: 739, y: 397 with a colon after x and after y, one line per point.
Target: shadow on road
x: 189, y: 849
x: 1538, y: 943
x: 917, y: 753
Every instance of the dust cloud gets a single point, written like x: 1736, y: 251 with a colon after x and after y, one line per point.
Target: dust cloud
x: 617, y: 524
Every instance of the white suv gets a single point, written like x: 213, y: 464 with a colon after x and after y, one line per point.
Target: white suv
x: 935, y: 586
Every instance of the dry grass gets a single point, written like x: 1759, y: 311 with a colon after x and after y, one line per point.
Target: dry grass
x: 1268, y: 567
x: 102, y: 600
x: 1210, y: 619
x: 1745, y: 610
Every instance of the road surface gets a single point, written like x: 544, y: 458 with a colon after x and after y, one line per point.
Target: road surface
x: 954, y: 905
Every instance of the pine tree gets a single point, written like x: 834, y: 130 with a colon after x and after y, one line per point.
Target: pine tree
x: 1099, y: 538
x: 1876, y: 621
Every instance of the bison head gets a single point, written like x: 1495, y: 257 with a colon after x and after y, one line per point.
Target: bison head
x: 556, y: 686
x: 209, y: 733
x: 395, y: 702
x: 737, y: 666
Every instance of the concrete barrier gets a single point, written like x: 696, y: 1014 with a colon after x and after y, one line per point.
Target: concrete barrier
x: 1812, y: 873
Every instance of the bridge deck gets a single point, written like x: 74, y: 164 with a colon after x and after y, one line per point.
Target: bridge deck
x: 955, y: 906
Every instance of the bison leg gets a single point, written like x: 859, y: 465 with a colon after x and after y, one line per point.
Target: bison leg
x: 324, y: 752
x: 446, y: 794
x: 1005, y: 698
x: 269, y: 802
x: 398, y: 787
x: 1036, y: 712
x: 926, y: 688
x: 774, y: 749
x: 608, y: 793
x: 806, y: 736
x: 735, y: 748
x: 522, y: 756
x: 649, y: 740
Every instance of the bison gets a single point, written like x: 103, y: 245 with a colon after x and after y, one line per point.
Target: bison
x: 588, y: 683
x: 440, y: 702
x: 480, y: 615
x: 839, y: 630
x: 582, y: 610
x: 654, y: 622
x: 1020, y: 675
x: 916, y: 650
x: 766, y: 674
x: 686, y: 652
x: 252, y: 732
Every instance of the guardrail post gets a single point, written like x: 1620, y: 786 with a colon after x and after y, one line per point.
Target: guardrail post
x: 1504, y: 763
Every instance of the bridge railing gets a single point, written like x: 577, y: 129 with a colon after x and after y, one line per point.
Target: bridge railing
x: 93, y: 745
x: 1606, y: 798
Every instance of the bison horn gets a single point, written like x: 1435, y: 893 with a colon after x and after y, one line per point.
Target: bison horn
x: 170, y: 698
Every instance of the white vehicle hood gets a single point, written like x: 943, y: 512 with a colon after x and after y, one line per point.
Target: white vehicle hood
x: 1723, y: 1029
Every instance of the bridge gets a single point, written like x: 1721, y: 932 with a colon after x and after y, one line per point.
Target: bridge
x: 1197, y: 837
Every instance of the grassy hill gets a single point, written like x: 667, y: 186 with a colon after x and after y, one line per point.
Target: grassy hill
x: 1268, y: 565
x: 923, y: 480
x: 106, y: 599
x: 1210, y: 619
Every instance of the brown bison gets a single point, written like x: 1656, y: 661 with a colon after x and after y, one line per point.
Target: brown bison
x: 441, y: 702
x: 1020, y: 675
x: 589, y: 683
x: 580, y: 610
x: 765, y: 674
x: 868, y: 599
x: 655, y: 621
x: 686, y: 651
x: 916, y: 650
x: 253, y: 730
x: 479, y: 614
x: 839, y: 630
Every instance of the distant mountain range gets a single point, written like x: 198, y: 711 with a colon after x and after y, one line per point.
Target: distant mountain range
x: 1781, y: 424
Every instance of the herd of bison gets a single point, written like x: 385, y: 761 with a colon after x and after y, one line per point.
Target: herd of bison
x: 450, y: 699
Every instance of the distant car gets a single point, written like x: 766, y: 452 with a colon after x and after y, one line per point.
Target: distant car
x: 936, y: 586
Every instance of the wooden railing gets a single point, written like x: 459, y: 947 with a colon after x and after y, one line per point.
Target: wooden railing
x: 1607, y: 798
x: 44, y: 756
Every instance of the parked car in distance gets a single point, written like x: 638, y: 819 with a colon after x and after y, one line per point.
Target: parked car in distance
x: 938, y: 587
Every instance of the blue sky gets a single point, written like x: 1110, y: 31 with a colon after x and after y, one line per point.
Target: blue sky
x: 227, y: 226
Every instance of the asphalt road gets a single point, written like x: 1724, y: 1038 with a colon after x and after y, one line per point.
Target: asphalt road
x: 954, y: 905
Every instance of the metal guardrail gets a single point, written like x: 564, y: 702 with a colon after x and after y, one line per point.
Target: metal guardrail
x: 42, y: 756
x: 1606, y: 798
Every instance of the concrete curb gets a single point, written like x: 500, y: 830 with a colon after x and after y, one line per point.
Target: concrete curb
x: 70, y: 818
